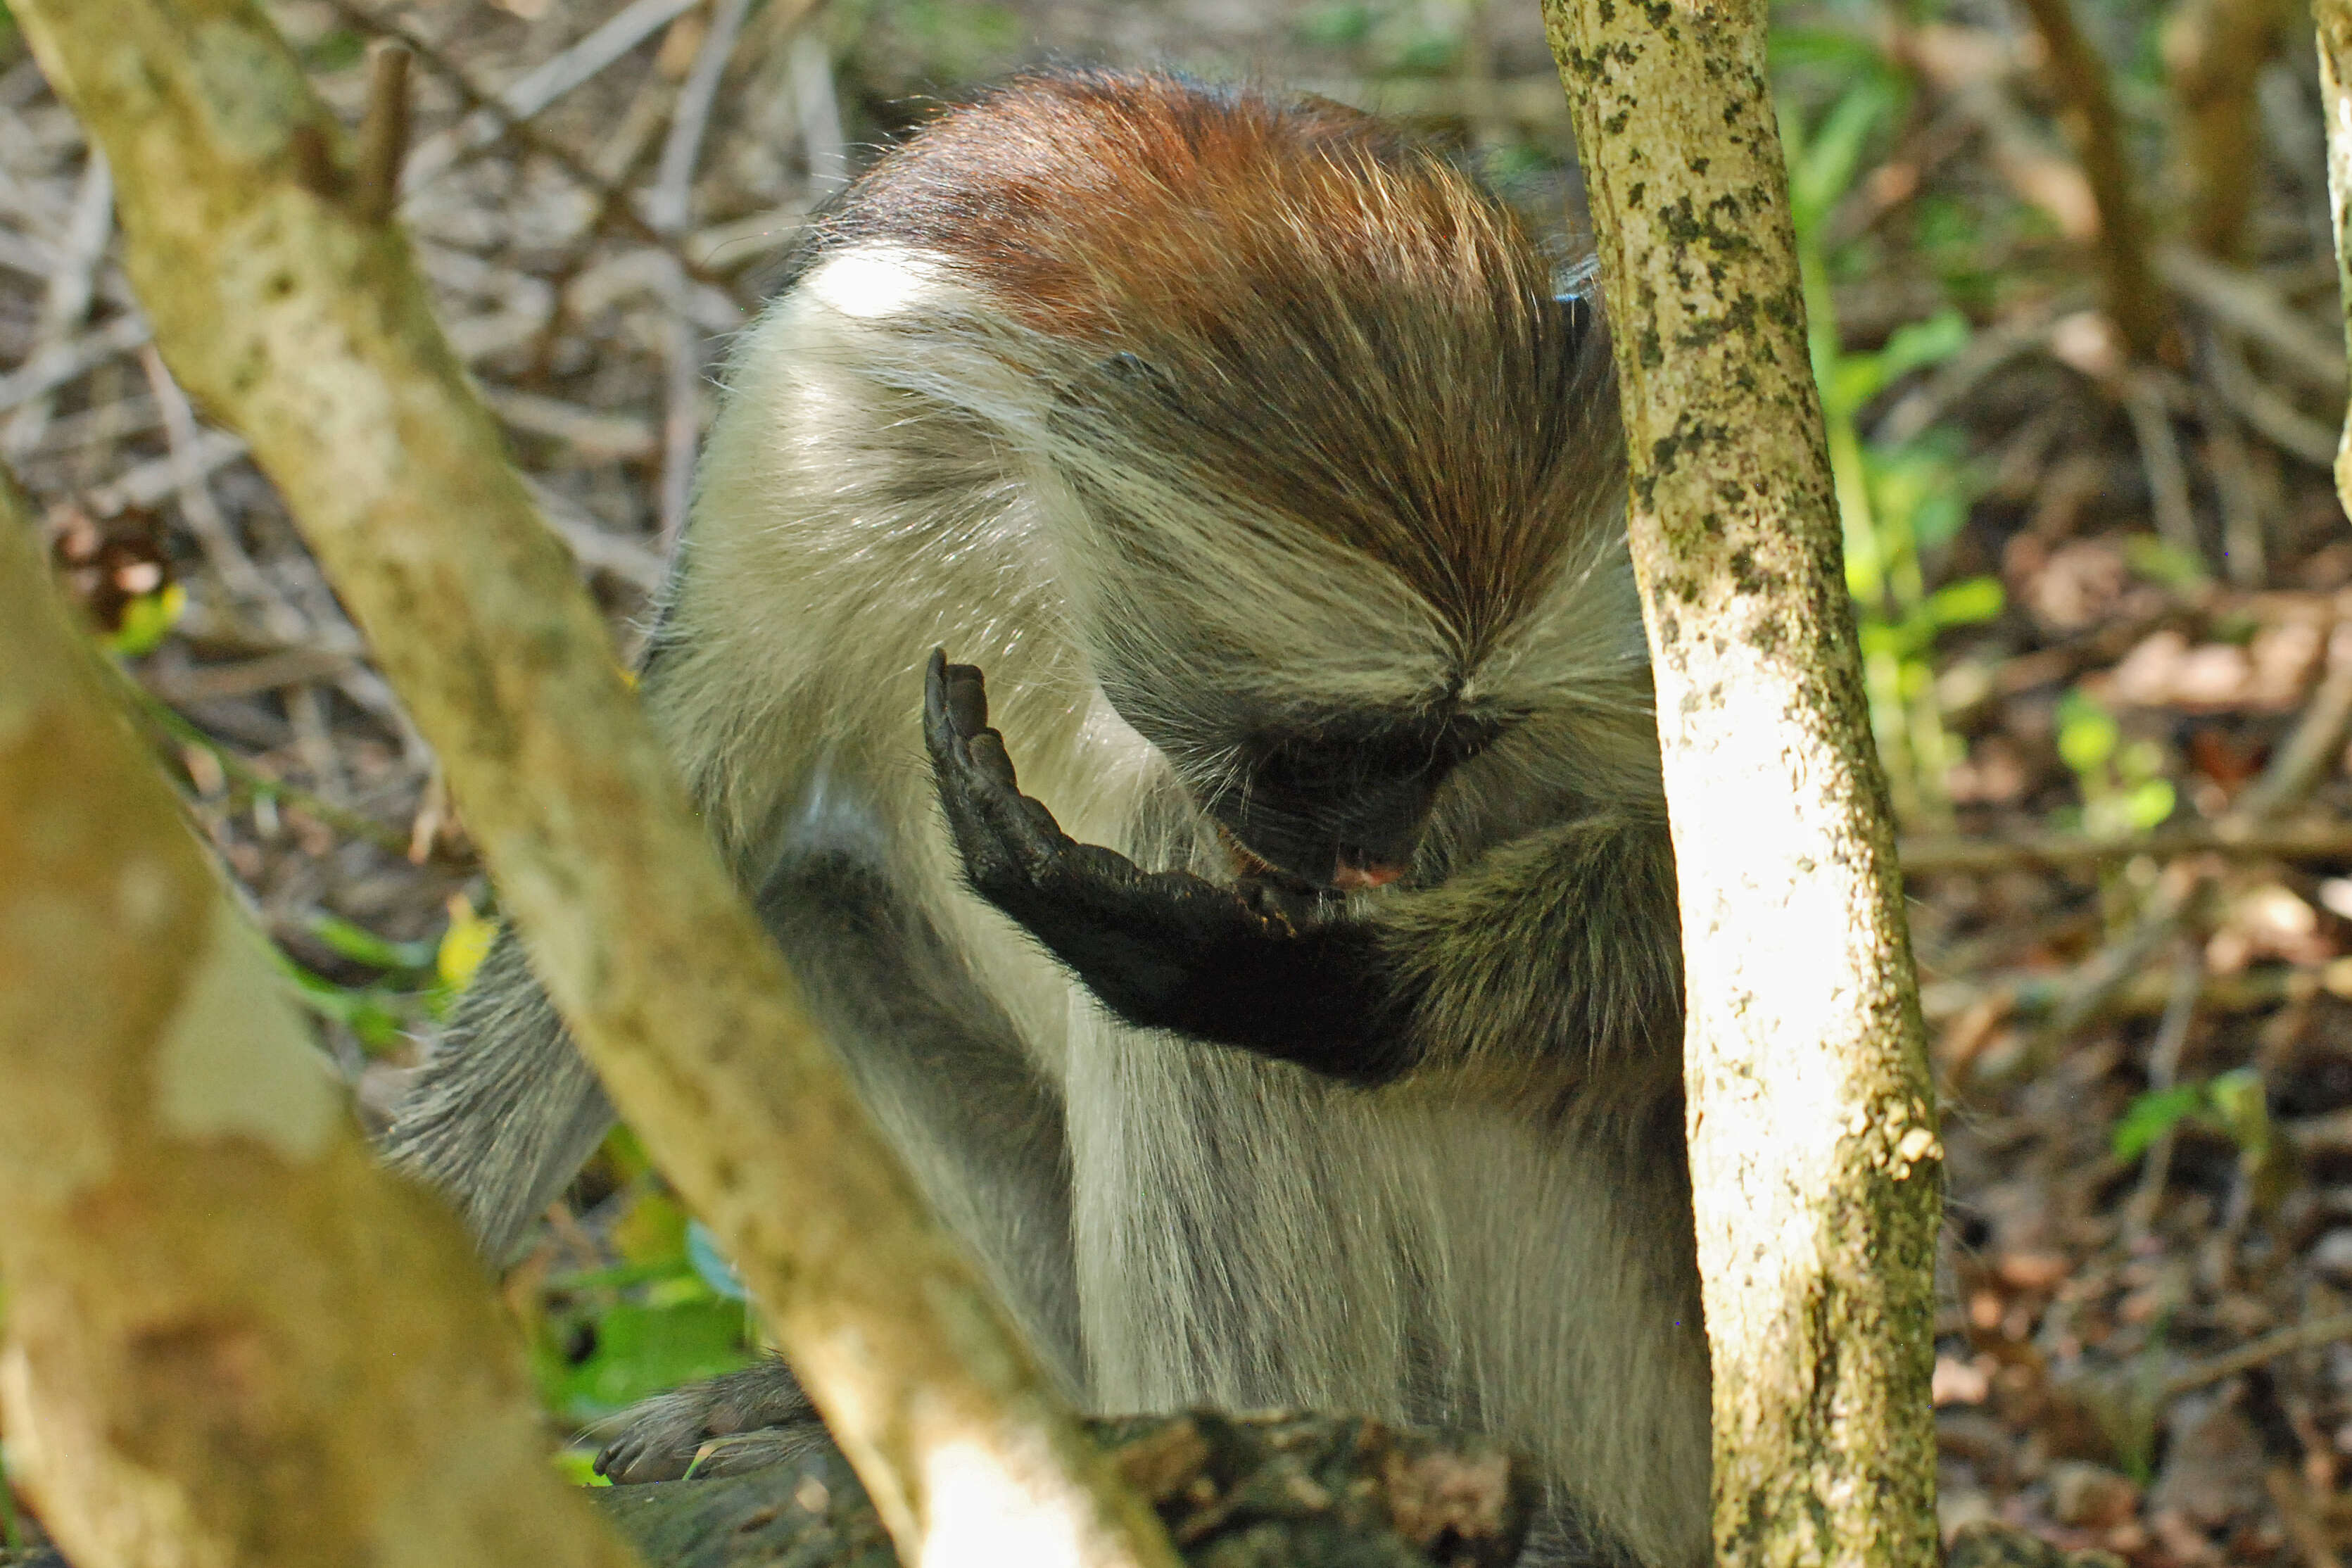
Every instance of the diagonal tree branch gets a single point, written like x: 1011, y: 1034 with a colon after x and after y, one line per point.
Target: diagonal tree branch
x: 309, y: 328
x: 231, y: 1337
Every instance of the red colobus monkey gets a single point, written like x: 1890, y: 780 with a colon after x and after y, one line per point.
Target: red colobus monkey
x: 1299, y: 1025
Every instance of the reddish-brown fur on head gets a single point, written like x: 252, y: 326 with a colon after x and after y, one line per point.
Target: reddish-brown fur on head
x: 1300, y: 306
x: 1068, y: 195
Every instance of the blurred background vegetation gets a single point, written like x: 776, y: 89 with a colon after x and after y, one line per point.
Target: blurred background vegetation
x: 2075, y: 316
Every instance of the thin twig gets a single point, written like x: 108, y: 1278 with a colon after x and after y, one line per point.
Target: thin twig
x: 72, y: 289
x: 2312, y: 747
x: 2040, y: 995
x: 2304, y: 1528
x: 2159, y: 454
x: 2080, y: 77
x: 54, y: 367
x: 818, y: 109
x: 2275, y: 417
x: 2013, y: 336
x: 2248, y: 301
x: 595, y: 435
x: 187, y: 686
x: 2245, y: 543
x: 2269, y: 1348
x: 667, y: 208
x: 618, y: 205
x: 2163, y: 1072
x: 503, y: 113
x: 383, y: 129
x: 215, y: 536
x: 150, y: 481
x: 1930, y: 857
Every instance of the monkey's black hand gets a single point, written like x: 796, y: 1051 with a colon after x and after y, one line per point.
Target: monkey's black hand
x: 1162, y: 949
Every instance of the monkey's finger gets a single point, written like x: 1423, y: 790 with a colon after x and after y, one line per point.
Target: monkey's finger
x: 990, y: 760
x: 940, y: 736
x: 967, y: 698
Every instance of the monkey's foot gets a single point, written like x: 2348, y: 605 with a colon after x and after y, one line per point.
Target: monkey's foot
x: 742, y: 1421
x: 1165, y: 950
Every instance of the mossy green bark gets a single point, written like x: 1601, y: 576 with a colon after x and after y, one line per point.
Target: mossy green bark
x: 299, y: 318
x: 2334, y: 19
x: 1815, y: 1156
x: 231, y: 1338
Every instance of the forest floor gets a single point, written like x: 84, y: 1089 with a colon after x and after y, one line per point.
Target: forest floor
x: 2101, y: 598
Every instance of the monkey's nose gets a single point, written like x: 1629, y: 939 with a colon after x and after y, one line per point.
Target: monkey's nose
x: 1351, y: 877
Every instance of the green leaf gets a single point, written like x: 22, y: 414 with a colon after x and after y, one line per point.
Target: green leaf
x: 364, y: 946
x: 2160, y: 562
x: 645, y: 1350
x: 577, y: 1465
x: 2153, y: 1115
x: 338, y: 50
x: 147, y: 620
x: 1335, y: 26
x: 1846, y: 54
x: 1966, y: 603
x: 464, y: 943
x: 1918, y: 344
x: 2088, y: 734
x: 377, y: 1016
x: 1852, y: 381
x: 2148, y: 803
x: 1936, y: 521
x: 2242, y: 1105
x: 1822, y: 165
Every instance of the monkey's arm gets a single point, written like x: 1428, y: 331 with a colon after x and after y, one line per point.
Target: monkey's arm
x: 1564, y: 941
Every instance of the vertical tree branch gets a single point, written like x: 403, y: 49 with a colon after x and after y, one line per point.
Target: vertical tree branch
x: 2334, y: 19
x: 231, y: 1338
x: 2127, y: 284
x: 2213, y: 50
x: 1812, y: 1131
x: 307, y: 328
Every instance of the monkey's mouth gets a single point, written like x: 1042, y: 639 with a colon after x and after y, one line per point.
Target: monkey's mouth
x: 1351, y: 871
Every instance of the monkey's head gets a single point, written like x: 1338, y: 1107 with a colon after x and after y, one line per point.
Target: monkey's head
x: 1332, y: 469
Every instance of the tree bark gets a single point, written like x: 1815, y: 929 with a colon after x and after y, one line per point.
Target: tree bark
x: 304, y: 324
x: 2213, y: 51
x: 1814, y: 1157
x: 2334, y: 20
x: 231, y: 1340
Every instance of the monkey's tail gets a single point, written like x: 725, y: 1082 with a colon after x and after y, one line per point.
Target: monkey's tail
x: 505, y: 1111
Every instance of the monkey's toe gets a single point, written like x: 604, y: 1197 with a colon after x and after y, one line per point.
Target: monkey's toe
x: 739, y: 1422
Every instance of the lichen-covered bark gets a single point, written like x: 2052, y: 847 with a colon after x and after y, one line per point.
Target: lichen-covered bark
x: 2334, y: 18
x: 231, y: 1338
x: 303, y: 323
x: 1812, y: 1131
